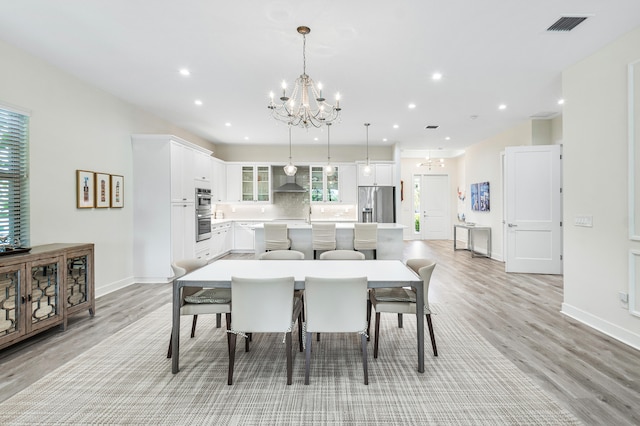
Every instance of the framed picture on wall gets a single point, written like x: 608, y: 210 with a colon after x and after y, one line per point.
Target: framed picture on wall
x: 475, y: 203
x: 102, y: 185
x: 85, y: 189
x: 117, y: 191
x: 483, y: 196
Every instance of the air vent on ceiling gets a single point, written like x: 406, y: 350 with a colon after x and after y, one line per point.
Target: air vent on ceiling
x: 566, y: 23
x: 431, y: 127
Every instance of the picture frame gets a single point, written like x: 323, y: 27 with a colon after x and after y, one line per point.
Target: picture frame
x: 117, y: 191
x: 85, y: 189
x: 480, y: 197
x: 102, y: 190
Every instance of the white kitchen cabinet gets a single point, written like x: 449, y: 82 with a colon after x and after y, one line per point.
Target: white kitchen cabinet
x: 221, y: 239
x: 202, y: 166
x: 341, y: 187
x: 182, y: 181
x: 348, y: 184
x: 218, y: 181
x: 382, y: 174
x: 234, y: 182
x: 243, y: 236
x: 248, y: 183
x: 183, y: 231
x: 164, y: 221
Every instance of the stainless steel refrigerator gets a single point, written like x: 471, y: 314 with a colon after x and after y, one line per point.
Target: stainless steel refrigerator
x: 377, y: 204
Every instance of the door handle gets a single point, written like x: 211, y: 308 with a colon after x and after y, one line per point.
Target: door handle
x: 512, y: 225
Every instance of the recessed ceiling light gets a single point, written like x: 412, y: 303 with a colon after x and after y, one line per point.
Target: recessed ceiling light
x: 197, y: 102
x: 185, y: 72
x: 560, y: 101
x: 315, y: 139
x: 395, y: 126
x: 246, y: 138
x: 448, y: 138
x: 502, y: 106
x: 384, y: 139
x: 412, y: 106
x: 436, y: 76
x: 227, y: 124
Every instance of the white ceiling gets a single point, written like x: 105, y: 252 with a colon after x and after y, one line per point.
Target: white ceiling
x: 379, y: 55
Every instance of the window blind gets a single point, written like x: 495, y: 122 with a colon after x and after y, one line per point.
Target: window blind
x: 14, y: 173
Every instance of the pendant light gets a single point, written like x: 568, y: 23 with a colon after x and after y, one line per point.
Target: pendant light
x: 290, y: 169
x: 367, y: 168
x: 329, y: 170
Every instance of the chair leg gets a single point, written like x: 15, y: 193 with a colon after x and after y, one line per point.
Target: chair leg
x: 169, y: 351
x: 399, y: 320
x: 246, y: 342
x: 314, y: 255
x: 289, y: 359
x: 300, y: 332
x: 307, y: 359
x: 317, y: 337
x: 432, y: 335
x: 232, y: 356
x: 218, y: 320
x: 193, y: 326
x: 364, y: 360
x: 375, y: 254
x: 368, y: 318
x: 375, y: 340
x: 228, y: 318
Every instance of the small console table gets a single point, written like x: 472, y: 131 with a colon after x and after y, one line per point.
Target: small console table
x: 471, y: 230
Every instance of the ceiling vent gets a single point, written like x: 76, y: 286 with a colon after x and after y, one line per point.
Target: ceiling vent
x: 432, y: 127
x: 566, y: 23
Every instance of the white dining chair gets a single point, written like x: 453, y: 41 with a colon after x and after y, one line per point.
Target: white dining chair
x: 365, y: 237
x: 335, y: 305
x: 281, y: 255
x: 276, y: 236
x: 198, y: 301
x: 403, y: 301
x: 323, y: 237
x: 342, y: 255
x: 263, y: 305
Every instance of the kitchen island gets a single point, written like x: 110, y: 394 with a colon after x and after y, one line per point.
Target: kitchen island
x: 389, y: 239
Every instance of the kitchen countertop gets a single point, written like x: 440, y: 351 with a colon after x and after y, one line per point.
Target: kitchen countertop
x: 339, y: 225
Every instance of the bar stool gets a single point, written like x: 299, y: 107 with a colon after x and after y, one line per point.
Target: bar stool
x: 275, y: 237
x: 323, y: 236
x: 365, y: 237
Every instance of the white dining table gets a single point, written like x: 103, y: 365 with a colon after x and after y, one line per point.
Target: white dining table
x: 379, y: 273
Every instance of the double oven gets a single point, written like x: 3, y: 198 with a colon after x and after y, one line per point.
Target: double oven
x: 203, y: 214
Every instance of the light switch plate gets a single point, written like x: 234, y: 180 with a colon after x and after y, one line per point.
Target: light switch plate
x: 583, y: 220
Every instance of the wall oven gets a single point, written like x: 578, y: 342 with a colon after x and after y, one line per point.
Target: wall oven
x: 203, y: 214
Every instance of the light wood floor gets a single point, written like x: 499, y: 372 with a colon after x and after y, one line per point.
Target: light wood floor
x: 593, y: 376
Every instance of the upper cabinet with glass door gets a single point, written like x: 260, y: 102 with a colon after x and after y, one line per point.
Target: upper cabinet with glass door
x: 324, y: 188
x: 256, y: 183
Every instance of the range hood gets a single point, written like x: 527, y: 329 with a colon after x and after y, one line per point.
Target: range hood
x: 290, y: 186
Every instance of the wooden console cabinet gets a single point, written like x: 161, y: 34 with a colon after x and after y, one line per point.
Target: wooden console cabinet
x: 40, y: 289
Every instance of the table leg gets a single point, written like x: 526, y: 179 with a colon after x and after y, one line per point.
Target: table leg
x: 175, y: 331
x: 419, y: 288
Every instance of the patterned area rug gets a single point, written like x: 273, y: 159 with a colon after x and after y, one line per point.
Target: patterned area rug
x: 127, y: 380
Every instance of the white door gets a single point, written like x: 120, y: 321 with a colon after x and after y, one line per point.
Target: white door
x: 434, y: 207
x: 533, y: 209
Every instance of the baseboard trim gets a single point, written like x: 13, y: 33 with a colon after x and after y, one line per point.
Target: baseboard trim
x: 603, y: 326
x: 116, y: 285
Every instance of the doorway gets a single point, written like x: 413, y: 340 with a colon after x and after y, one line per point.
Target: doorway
x: 431, y: 206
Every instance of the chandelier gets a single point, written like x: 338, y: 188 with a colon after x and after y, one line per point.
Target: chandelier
x: 305, y: 106
x: 431, y: 162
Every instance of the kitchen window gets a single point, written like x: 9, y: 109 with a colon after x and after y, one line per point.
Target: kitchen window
x: 14, y: 181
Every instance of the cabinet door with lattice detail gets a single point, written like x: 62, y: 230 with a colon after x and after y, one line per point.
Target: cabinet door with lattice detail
x: 78, y: 282
x: 11, y: 302
x: 44, y: 294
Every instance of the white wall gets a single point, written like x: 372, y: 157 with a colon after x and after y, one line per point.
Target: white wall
x: 77, y: 126
x: 595, y: 183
